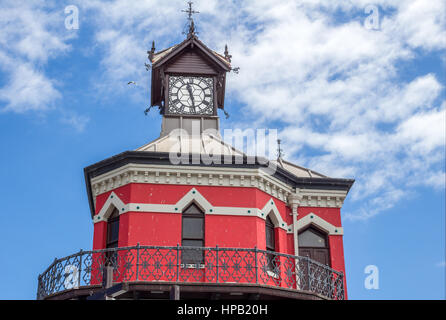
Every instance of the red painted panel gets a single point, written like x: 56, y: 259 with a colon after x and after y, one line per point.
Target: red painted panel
x: 99, y: 235
x: 157, y: 193
x: 153, y: 229
x: 231, y: 231
x: 331, y: 215
x: 337, y: 256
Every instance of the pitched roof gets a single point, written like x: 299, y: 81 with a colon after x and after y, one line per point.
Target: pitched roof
x: 212, y: 144
x: 162, y: 56
x: 206, y: 143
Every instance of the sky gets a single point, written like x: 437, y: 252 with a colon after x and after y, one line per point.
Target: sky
x: 356, y: 89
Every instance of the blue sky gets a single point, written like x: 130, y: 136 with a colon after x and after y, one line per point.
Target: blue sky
x: 348, y: 100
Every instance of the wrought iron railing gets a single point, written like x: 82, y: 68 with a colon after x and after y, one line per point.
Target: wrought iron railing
x: 191, y: 264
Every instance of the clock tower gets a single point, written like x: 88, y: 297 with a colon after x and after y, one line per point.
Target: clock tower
x: 200, y: 229
x: 188, y: 84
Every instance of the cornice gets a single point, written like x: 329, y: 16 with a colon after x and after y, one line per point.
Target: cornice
x: 212, y: 176
x: 155, y: 167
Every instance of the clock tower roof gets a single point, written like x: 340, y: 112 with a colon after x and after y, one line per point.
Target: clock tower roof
x: 164, y: 56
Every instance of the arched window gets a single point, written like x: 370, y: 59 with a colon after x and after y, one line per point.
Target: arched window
x: 112, y: 241
x: 269, y: 234
x: 270, y: 242
x: 113, y: 229
x: 313, y: 243
x: 192, y: 234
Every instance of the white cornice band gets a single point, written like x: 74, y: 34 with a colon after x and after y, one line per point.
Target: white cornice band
x: 195, y: 176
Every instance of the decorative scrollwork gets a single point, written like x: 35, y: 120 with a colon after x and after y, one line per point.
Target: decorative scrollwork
x: 191, y: 264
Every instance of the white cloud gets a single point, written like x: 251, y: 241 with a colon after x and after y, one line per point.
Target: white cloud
x: 33, y: 33
x: 78, y: 122
x: 424, y: 132
x: 28, y: 90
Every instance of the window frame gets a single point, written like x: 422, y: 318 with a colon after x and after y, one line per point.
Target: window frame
x: 312, y: 250
x: 270, y: 257
x: 114, y: 218
x: 198, y: 215
x: 317, y: 231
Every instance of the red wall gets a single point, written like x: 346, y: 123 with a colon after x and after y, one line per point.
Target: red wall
x: 164, y: 229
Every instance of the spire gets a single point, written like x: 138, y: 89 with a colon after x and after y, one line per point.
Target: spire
x: 152, y: 51
x: 227, y: 55
x: 279, y: 152
x: 190, y: 12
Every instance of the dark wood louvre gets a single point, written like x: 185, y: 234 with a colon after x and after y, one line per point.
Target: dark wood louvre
x: 192, y: 234
x: 313, y: 244
x: 270, y: 243
x: 113, y: 229
x: 269, y: 233
x: 190, y: 61
x: 112, y: 240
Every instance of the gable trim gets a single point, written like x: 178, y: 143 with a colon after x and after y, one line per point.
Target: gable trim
x: 326, y: 226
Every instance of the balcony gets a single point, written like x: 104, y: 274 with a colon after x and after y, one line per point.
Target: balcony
x: 142, y: 265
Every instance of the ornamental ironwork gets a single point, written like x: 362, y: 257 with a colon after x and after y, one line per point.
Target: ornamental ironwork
x: 213, y: 265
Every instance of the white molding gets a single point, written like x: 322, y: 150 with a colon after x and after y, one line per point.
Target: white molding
x: 192, y: 196
x: 312, y: 218
x: 206, y: 176
x: 276, y: 218
x: 113, y: 201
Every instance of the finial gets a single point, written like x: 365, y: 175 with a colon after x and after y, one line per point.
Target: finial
x: 190, y: 12
x: 152, y: 51
x: 279, y: 150
x: 227, y: 55
x: 191, y: 27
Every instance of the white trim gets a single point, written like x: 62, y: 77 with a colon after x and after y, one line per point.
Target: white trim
x: 276, y: 218
x: 206, y: 176
x: 192, y: 196
x: 113, y: 201
x: 312, y: 218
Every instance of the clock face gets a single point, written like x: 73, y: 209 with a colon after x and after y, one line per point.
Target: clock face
x: 191, y: 95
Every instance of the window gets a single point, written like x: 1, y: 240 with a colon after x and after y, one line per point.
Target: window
x: 113, y: 229
x: 313, y: 243
x: 312, y: 238
x: 193, y: 235
x: 270, y: 243
x: 112, y: 238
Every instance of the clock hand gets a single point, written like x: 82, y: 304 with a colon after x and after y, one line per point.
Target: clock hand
x: 189, y: 88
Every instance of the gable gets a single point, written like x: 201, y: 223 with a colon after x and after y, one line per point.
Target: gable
x: 190, y: 61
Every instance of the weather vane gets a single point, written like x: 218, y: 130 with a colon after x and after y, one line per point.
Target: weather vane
x: 190, y: 12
